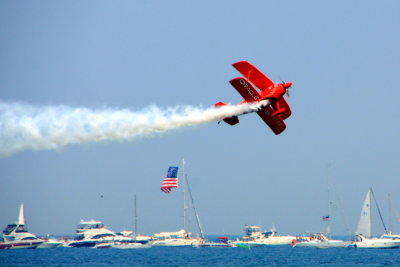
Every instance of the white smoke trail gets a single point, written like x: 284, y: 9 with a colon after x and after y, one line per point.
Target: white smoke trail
x: 28, y: 127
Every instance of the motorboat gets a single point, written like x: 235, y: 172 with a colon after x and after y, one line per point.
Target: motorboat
x: 93, y: 233
x: 50, y: 242
x: 17, y: 236
x: 223, y: 242
x: 255, y: 237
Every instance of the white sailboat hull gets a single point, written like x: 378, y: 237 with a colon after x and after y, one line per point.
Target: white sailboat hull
x: 377, y: 243
x: 323, y: 244
x: 178, y: 242
x: 270, y: 241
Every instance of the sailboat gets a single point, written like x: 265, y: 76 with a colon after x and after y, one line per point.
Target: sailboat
x: 182, y: 237
x: 140, y: 241
x: 322, y: 240
x: 364, y: 229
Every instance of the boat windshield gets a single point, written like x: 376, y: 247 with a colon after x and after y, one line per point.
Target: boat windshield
x: 268, y: 234
x: 85, y: 226
x: 101, y: 235
x: 17, y: 227
x: 29, y: 238
x: 79, y: 237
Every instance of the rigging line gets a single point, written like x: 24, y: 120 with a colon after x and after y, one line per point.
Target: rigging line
x: 379, y: 211
x: 342, y: 213
x: 194, y: 208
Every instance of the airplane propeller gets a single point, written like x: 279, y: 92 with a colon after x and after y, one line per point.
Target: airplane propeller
x: 286, y: 85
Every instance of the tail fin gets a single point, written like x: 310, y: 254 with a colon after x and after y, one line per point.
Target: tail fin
x: 230, y: 120
x: 220, y: 104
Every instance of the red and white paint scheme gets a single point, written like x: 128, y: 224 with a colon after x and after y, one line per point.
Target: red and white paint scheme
x: 273, y: 107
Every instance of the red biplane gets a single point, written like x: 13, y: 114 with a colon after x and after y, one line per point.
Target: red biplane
x: 276, y: 109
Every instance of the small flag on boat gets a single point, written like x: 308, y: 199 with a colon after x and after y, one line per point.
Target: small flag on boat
x: 326, y: 218
x: 171, y: 181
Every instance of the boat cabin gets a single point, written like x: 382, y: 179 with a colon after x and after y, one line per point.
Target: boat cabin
x: 252, y: 230
x: 88, y: 225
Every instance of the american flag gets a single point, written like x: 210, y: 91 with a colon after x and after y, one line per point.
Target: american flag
x: 171, y: 181
x: 326, y: 218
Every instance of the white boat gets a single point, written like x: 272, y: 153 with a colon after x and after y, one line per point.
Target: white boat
x: 121, y: 245
x: 319, y: 240
x: 223, y: 242
x: 50, y: 242
x: 254, y: 237
x: 322, y: 240
x: 364, y: 230
x: 17, y: 236
x: 176, y: 239
x: 182, y: 237
x: 93, y: 233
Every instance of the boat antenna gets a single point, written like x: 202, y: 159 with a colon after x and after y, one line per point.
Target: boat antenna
x: 379, y: 211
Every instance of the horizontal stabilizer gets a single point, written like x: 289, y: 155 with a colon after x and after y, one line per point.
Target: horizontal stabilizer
x: 232, y: 120
x: 229, y: 120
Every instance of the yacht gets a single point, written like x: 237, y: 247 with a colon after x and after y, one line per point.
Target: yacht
x: 93, y: 233
x: 17, y: 236
x: 254, y: 237
x: 364, y: 237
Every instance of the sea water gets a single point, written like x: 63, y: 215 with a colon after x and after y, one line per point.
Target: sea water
x: 190, y: 256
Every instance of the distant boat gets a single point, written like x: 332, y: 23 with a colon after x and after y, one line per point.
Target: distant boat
x: 17, y: 236
x: 93, y: 233
x: 176, y: 239
x: 182, y: 237
x: 51, y: 242
x: 364, y: 229
x: 254, y: 237
x: 322, y: 240
x: 223, y: 242
x: 319, y: 240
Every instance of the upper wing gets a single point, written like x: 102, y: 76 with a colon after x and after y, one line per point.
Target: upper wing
x: 253, y: 74
x: 245, y: 89
x: 276, y: 124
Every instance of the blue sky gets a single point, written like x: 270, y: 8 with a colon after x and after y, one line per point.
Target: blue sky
x: 342, y: 57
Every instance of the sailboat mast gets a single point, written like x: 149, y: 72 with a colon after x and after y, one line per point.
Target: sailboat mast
x: 329, y: 178
x: 390, y: 214
x: 135, y: 214
x: 194, y: 209
x: 184, y: 194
